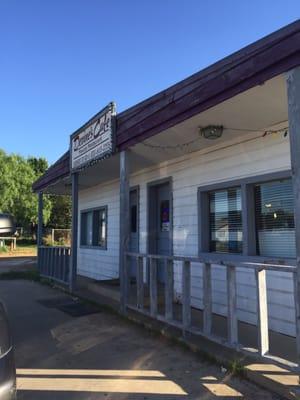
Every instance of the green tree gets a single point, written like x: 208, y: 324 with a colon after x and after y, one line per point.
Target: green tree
x: 17, y: 175
x: 61, y: 214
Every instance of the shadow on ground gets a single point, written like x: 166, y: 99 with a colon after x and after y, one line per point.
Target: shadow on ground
x: 102, y: 356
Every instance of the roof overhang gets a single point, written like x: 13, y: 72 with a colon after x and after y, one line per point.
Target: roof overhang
x: 250, y: 67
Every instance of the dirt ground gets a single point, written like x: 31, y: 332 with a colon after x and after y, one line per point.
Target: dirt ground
x: 102, y: 356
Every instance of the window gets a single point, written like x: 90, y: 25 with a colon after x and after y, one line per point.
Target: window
x: 94, y: 227
x: 164, y: 216
x: 225, y: 221
x: 274, y: 212
x: 133, y: 219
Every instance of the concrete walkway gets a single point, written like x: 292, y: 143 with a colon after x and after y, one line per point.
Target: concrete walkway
x: 102, y: 356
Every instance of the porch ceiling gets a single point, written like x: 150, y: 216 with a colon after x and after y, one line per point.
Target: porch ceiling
x: 260, y: 108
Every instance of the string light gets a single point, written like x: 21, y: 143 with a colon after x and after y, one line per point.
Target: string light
x: 184, y: 146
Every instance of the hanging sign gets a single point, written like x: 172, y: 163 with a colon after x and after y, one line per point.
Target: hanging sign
x: 95, y: 140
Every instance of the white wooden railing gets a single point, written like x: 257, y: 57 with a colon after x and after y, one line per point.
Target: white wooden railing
x: 54, y: 262
x: 186, y: 321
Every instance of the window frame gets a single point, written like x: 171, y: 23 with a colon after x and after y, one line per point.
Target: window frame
x: 248, y: 218
x: 87, y: 246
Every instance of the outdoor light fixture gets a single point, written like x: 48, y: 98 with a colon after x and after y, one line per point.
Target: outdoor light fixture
x: 211, y: 131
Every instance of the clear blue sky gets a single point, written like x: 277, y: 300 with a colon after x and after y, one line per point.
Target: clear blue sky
x: 61, y: 61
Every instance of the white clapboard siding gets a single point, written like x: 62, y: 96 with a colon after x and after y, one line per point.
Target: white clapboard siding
x: 96, y: 263
x: 189, y: 172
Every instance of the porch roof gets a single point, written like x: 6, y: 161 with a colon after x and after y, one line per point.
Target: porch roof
x: 245, y: 69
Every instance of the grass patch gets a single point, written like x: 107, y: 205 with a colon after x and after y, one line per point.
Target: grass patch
x: 3, y: 249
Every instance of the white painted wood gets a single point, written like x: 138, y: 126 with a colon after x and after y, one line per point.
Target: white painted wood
x: 124, y: 264
x: 140, y: 282
x: 232, y: 322
x: 74, y: 236
x: 186, y: 295
x: 262, y: 312
x: 261, y: 156
x: 169, y: 290
x: 207, y: 299
x: 153, y: 287
x: 293, y: 92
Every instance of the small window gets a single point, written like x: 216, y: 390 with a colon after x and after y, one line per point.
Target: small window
x: 164, y: 216
x: 93, y: 228
x: 275, y: 228
x: 225, y: 212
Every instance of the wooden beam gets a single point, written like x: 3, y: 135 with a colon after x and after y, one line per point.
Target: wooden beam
x: 207, y: 299
x: 293, y: 93
x: 169, y: 289
x: 40, y: 228
x: 232, y: 322
x: 74, y: 238
x: 186, y: 295
x: 153, y: 286
x: 140, y: 282
x: 40, y: 219
x: 262, y: 311
x: 124, y: 228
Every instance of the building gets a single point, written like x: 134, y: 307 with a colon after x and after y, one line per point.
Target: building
x: 197, y: 189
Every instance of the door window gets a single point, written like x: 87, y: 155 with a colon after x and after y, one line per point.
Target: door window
x: 165, y: 216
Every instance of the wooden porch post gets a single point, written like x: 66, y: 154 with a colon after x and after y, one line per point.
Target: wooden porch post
x: 40, y: 229
x: 293, y: 93
x: 124, y: 228
x: 74, y: 238
x: 40, y: 219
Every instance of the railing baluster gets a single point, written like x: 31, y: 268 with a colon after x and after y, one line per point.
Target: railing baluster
x: 56, y: 262
x: 61, y: 264
x: 153, y: 287
x: 207, y: 299
x: 140, y: 282
x: 186, y: 294
x: 169, y: 289
x: 50, y: 262
x: 39, y: 259
x: 68, y: 264
x: 262, y: 311
x: 232, y: 322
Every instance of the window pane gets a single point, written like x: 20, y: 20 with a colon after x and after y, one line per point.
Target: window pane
x: 83, y: 229
x: 275, y: 230
x: 164, y: 216
x: 133, y: 219
x: 100, y: 228
x: 86, y: 228
x: 89, y: 229
x: 226, y: 234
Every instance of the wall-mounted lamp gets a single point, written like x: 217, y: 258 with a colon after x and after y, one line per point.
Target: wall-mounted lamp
x: 211, y: 131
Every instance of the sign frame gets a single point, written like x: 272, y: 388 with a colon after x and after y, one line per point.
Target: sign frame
x: 89, y: 128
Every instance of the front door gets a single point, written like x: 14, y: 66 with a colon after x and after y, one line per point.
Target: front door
x: 160, y: 223
x: 134, y: 228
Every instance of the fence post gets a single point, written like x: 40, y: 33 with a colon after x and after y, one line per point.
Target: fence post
x: 207, y: 299
x: 40, y: 227
x: 124, y: 228
x: 74, y: 241
x: 153, y: 287
x: 262, y: 311
x: 293, y: 95
x: 186, y: 295
x: 232, y: 322
x: 169, y: 289
x: 140, y: 282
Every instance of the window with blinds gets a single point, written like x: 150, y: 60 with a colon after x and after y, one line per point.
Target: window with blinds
x: 274, y: 212
x: 94, y: 228
x: 225, y: 221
